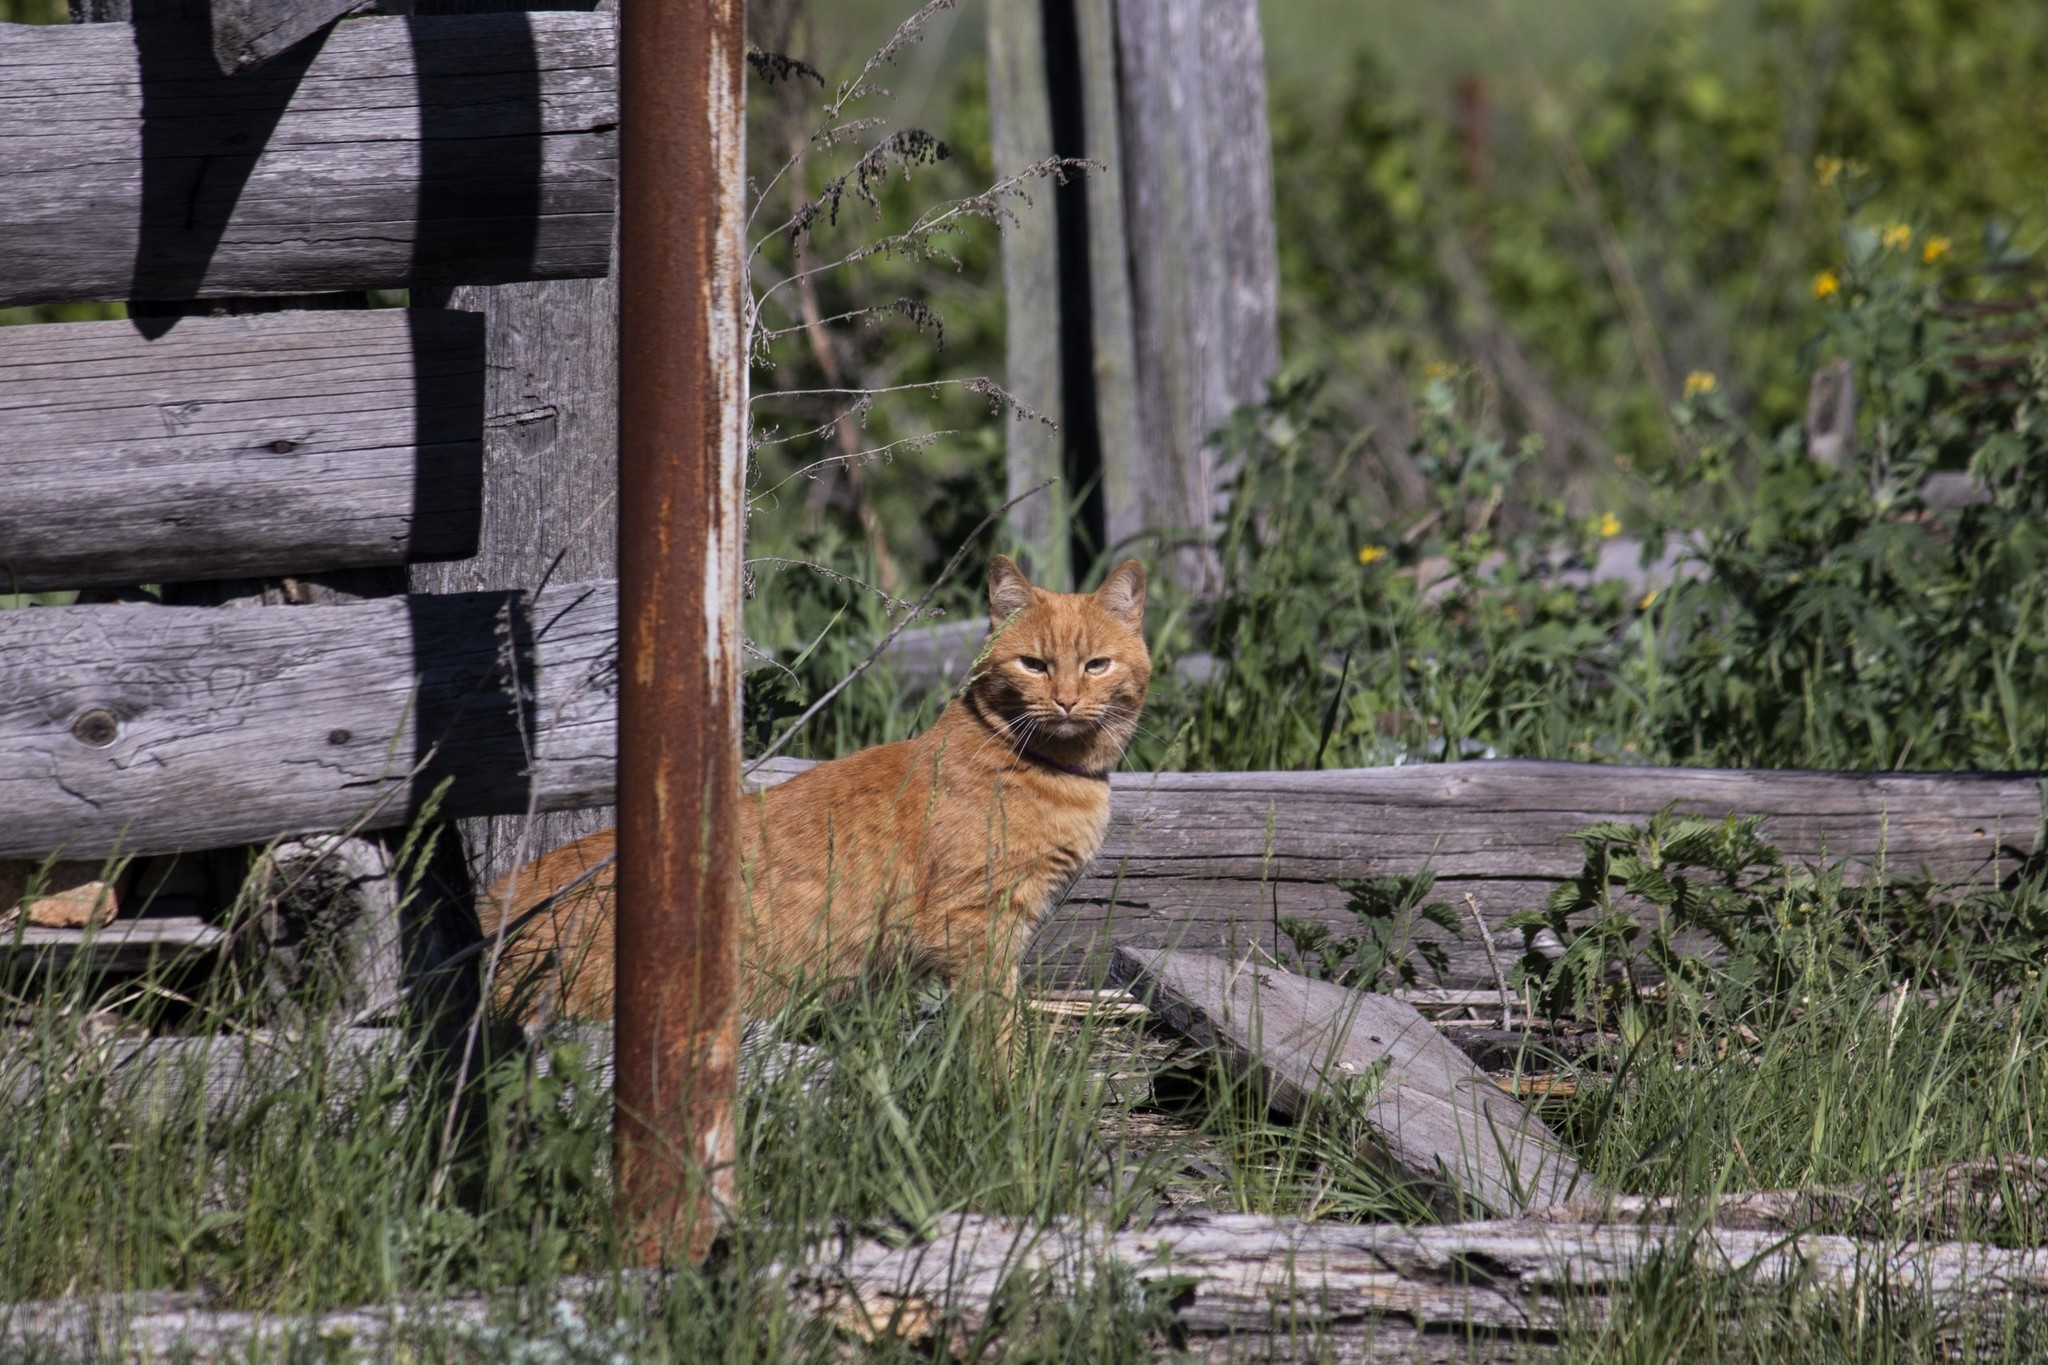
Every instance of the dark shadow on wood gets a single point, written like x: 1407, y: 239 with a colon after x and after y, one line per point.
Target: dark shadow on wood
x: 468, y: 184
x: 448, y: 433
x: 475, y: 709
x: 202, y: 133
x: 1079, y: 423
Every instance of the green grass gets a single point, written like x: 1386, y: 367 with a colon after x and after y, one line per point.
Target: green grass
x: 334, y: 1183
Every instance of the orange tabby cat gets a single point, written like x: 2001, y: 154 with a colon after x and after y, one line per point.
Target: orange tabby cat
x: 943, y: 851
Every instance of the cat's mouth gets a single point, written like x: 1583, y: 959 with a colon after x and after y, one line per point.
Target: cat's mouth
x: 1065, y: 727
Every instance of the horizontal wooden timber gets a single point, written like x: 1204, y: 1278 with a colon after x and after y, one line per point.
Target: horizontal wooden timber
x: 153, y: 729
x: 1214, y: 861
x: 389, y: 152
x: 148, y: 729
x: 233, y: 447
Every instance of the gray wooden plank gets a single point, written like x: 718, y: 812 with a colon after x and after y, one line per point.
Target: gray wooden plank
x: 248, y: 33
x: 223, y: 725
x: 144, y: 729
x: 1020, y: 135
x: 126, y: 945
x: 1196, y: 175
x: 392, y: 152
x: 237, y: 446
x: 1441, y: 1123
x: 1212, y: 862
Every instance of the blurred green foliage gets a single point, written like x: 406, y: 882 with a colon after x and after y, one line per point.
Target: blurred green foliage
x: 1713, y: 160
x: 1805, y: 616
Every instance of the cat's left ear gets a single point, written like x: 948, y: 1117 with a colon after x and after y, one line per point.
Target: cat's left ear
x: 1122, y: 594
x: 1009, y: 591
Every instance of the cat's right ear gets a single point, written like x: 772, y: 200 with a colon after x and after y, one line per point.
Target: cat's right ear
x: 1009, y: 591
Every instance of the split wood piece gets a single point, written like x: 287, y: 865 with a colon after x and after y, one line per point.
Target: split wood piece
x: 127, y: 945
x: 248, y: 33
x: 1240, y: 1285
x: 146, y: 729
x: 394, y: 152
x: 1380, y: 1291
x: 283, y: 443
x: 2004, y: 1195
x: 1441, y: 1122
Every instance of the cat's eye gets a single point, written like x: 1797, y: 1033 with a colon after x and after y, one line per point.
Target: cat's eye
x: 1033, y: 665
x: 1098, y: 665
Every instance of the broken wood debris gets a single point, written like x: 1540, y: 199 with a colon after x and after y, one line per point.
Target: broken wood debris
x: 1441, y: 1122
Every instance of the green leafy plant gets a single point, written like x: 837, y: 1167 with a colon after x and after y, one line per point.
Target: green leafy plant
x: 1383, y: 952
x: 1641, y: 891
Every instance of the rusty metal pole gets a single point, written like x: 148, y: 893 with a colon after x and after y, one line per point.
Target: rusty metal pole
x: 682, y: 454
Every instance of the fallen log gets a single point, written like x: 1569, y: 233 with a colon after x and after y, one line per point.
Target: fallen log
x: 1441, y: 1123
x: 2004, y: 1196
x: 1226, y: 1285
x: 1213, y: 862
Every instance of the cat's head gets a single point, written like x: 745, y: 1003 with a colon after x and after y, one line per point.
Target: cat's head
x: 1068, y: 669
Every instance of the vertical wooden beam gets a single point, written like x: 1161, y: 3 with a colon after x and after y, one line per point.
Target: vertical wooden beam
x: 682, y: 465
x: 550, y: 484
x: 1197, y: 177
x: 1180, y: 275
x: 1020, y: 132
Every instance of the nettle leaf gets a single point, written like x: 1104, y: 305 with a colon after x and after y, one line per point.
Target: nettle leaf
x: 1617, y: 832
x: 1443, y: 917
x: 1649, y: 883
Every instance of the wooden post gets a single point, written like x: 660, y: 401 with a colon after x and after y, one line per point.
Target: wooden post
x: 682, y: 475
x: 1169, y: 289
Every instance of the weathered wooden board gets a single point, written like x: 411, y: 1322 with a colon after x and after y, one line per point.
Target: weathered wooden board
x: 390, y: 152
x: 1213, y: 861
x: 1441, y: 1122
x: 1244, y: 1286
x: 1146, y: 308
x: 248, y: 33
x: 126, y: 945
x: 151, y: 729
x: 286, y: 443
x: 550, y: 480
x: 1197, y: 180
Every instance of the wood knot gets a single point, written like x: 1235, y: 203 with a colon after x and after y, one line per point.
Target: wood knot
x: 96, y: 728
x: 338, y: 736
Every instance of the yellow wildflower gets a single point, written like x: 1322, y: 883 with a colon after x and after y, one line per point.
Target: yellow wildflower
x: 1936, y: 248
x: 1610, y: 526
x: 1897, y: 236
x: 1371, y: 554
x: 1828, y: 169
x: 1699, y: 382
x: 1826, y: 283
x: 1438, y: 369
x: 1648, y: 598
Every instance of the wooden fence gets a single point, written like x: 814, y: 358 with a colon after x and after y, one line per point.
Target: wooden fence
x: 466, y: 453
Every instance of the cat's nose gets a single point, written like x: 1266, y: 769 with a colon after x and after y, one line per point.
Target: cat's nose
x: 1066, y: 707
